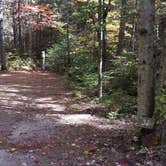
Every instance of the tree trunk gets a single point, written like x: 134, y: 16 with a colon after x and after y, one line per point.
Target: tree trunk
x: 163, y: 145
x: 101, y: 47
x: 14, y: 26
x: 134, y: 31
x: 162, y: 79
x: 121, y: 28
x: 68, y: 37
x: 19, y: 29
x: 162, y: 58
x: 30, y: 40
x: 2, y: 55
x: 146, y: 53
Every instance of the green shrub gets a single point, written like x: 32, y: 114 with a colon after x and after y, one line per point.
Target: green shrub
x: 113, y: 115
x: 56, y: 57
x: 120, y: 102
x: 122, y: 75
x: 83, y: 73
x: 18, y: 63
x: 161, y: 108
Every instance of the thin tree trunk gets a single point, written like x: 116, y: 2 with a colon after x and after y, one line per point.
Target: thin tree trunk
x: 30, y: 41
x: 101, y: 46
x: 133, y: 37
x: 134, y: 30
x: 19, y: 28
x: 68, y: 36
x: 2, y: 55
x: 94, y: 45
x: 14, y: 26
x: 104, y: 38
x: 122, y: 28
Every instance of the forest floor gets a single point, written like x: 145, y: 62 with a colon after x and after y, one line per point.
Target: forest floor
x: 43, y: 124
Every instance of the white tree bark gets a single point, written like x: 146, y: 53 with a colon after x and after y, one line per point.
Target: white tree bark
x: 2, y: 55
x: 101, y: 46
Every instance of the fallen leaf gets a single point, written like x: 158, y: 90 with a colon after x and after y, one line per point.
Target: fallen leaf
x: 86, y: 152
x: 13, y: 149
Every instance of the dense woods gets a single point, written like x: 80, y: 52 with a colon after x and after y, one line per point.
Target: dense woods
x: 112, y: 51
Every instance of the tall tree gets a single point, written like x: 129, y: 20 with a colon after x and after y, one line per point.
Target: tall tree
x: 101, y: 47
x: 68, y: 34
x: 20, y: 45
x: 2, y: 55
x: 121, y: 28
x: 146, y: 53
x: 162, y: 73
x: 134, y: 29
x: 162, y: 58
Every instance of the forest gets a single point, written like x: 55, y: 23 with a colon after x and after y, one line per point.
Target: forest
x: 82, y: 82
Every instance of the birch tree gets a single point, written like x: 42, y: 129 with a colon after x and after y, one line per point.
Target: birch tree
x: 101, y: 45
x: 68, y: 34
x: 2, y: 55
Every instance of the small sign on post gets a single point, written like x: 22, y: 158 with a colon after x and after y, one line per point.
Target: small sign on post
x: 43, y: 53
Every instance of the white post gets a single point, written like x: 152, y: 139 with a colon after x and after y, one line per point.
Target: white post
x: 43, y: 60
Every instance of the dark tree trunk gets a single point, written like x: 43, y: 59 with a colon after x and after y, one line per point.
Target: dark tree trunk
x: 19, y: 29
x: 146, y: 66
x: 134, y: 31
x: 146, y: 52
x: 121, y: 28
x: 162, y: 78
x: 14, y: 24
x: 163, y: 145
x: 162, y: 57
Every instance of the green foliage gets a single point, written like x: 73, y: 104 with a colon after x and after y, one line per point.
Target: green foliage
x: 82, y: 75
x: 122, y: 75
x: 19, y: 63
x: 56, y: 57
x: 136, y: 133
x: 121, y: 102
x: 120, y: 84
x: 161, y: 107
x: 143, y: 150
x: 113, y: 115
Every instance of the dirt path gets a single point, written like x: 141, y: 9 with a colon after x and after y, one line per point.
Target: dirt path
x: 39, y: 128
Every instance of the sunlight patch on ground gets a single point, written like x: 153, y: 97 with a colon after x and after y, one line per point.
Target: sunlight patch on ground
x: 14, y: 102
x: 51, y: 107
x: 5, y: 75
x: 14, y: 97
x: 81, y: 119
x: 21, y: 86
x: 43, y: 99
